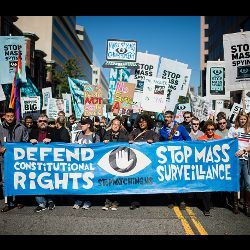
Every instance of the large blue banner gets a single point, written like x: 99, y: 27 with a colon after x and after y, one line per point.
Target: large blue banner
x: 9, y: 47
x: 121, y: 168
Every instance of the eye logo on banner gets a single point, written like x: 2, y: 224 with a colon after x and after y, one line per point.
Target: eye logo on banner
x: 124, y: 161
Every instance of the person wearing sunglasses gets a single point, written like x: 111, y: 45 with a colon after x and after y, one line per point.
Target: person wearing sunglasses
x: 209, y: 135
x: 43, y: 133
x: 187, y: 121
x: 195, y: 131
x: 222, y: 127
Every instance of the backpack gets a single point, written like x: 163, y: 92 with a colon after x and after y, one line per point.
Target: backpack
x: 93, y: 137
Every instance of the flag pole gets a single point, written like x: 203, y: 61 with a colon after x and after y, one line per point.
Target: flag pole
x: 243, y: 98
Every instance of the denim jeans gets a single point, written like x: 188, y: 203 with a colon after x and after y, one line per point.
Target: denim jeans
x: 42, y: 201
x: 245, y: 173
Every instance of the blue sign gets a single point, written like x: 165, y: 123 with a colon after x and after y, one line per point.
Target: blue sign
x: 121, y: 168
x: 76, y: 89
x: 9, y: 48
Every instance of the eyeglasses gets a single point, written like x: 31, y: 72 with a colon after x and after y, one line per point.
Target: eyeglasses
x: 210, y: 129
x: 195, y: 124
x: 40, y: 121
x: 220, y: 123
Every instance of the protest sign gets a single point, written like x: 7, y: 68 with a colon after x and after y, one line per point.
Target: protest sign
x: 174, y: 72
x: 68, y: 105
x: 216, y: 88
x: 47, y: 94
x: 237, y: 62
x: 93, y: 101
x: 121, y: 75
x: 9, y: 48
x: 148, y: 66
x: 76, y: 89
x: 55, y: 106
x: 180, y: 109
x: 124, y: 94
x: 30, y: 104
x: 200, y: 106
x: 185, y: 84
x: 154, y: 94
x: 235, y: 110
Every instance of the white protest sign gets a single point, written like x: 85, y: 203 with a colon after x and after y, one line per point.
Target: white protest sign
x: 175, y: 73
x: 185, y: 84
x: 68, y: 104
x: 219, y: 106
x: 180, y: 109
x: 148, y: 66
x: 2, y: 95
x: 235, y: 111
x: 237, y: 62
x: 54, y: 106
x: 30, y: 104
x: 154, y: 94
x: 216, y: 88
x: 247, y: 101
x: 201, y: 106
x: 47, y: 93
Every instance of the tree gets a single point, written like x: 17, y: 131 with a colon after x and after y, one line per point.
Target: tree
x: 70, y: 69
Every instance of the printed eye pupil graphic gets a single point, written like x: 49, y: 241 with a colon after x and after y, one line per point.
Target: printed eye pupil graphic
x: 217, y: 72
x: 243, y: 71
x: 121, y: 50
x: 122, y: 159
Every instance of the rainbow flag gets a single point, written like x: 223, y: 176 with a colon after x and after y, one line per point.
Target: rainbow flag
x: 15, y: 102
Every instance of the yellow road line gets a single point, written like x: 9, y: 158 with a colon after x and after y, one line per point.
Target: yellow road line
x: 184, y: 222
x: 196, y: 222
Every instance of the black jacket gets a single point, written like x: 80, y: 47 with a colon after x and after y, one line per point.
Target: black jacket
x: 62, y: 135
x: 148, y: 135
x: 50, y: 134
x: 121, y: 137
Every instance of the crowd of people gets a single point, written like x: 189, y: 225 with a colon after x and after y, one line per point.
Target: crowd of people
x: 142, y: 129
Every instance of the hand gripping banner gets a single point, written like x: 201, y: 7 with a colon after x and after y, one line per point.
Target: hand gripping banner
x: 121, y: 168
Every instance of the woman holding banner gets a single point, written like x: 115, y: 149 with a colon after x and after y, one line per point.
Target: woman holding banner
x: 143, y: 133
x: 85, y: 136
x: 241, y: 130
x: 209, y: 128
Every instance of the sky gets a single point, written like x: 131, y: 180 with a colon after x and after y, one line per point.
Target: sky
x: 172, y: 37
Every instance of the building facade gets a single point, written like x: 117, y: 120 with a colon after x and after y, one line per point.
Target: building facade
x: 35, y: 65
x: 212, y: 30
x: 59, y: 40
x: 99, y: 78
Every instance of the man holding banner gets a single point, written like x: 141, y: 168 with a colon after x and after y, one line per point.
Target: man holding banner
x: 11, y: 131
x: 43, y: 133
x: 172, y: 131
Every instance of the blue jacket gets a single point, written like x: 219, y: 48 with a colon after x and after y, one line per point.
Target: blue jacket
x: 181, y: 133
